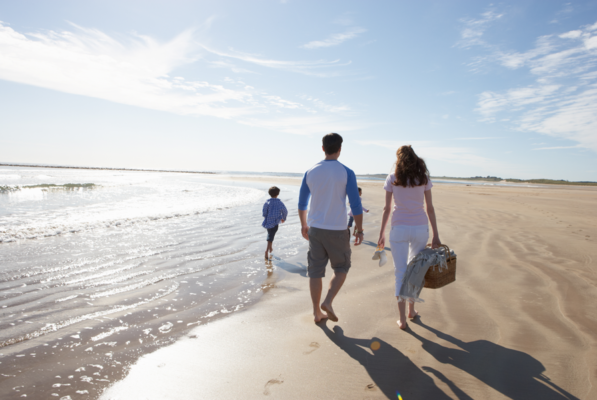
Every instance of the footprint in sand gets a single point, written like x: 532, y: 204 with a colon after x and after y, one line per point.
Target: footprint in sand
x: 272, y: 382
x: 315, y: 346
x: 370, y: 387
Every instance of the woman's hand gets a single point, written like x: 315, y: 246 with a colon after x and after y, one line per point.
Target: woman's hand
x: 381, y: 243
x: 435, y: 243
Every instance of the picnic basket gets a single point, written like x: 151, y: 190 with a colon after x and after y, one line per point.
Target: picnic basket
x: 436, y: 278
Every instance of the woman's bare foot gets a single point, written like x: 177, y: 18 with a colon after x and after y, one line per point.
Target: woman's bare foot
x: 402, y: 325
x: 413, y: 314
x: 319, y: 316
x: 328, y: 309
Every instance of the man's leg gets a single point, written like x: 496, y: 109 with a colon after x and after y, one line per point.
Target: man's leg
x: 315, y: 286
x: 335, y: 285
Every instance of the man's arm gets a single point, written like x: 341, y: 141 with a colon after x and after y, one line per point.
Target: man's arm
x: 304, y: 226
x: 304, y: 195
x: 352, y: 191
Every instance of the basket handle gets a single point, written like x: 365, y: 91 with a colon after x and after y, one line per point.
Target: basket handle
x: 446, y: 249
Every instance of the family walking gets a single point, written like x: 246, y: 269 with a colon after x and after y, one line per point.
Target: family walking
x: 323, y: 222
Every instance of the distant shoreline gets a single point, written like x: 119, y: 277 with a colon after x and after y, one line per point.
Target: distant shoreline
x: 381, y: 176
x: 507, y: 180
x: 103, y: 168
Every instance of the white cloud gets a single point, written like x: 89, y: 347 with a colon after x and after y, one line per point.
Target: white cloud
x: 571, y: 35
x: 304, y: 125
x: 335, y: 39
x: 563, y: 100
x: 134, y: 72
x: 313, y: 68
x: 429, y: 150
x: 473, y: 29
x: 136, y: 69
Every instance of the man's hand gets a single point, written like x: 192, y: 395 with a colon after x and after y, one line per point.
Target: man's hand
x: 359, y: 236
x: 305, y: 232
x: 304, y: 227
x: 358, y: 233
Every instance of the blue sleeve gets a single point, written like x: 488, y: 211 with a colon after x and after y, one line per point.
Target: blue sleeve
x: 304, y: 195
x: 352, y: 191
x: 265, y: 209
x: 284, y: 212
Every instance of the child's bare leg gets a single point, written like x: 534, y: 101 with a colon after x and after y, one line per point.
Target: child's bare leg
x: 268, y: 249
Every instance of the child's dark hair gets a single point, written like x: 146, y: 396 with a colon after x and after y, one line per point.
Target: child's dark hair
x: 332, y: 143
x: 274, y: 191
x: 360, y: 190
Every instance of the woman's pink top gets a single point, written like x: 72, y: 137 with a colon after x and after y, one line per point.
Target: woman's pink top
x: 408, y: 203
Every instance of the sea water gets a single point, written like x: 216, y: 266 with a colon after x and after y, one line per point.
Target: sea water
x: 98, y: 267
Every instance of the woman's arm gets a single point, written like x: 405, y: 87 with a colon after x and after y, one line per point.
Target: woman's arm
x: 387, y: 210
x: 435, y: 242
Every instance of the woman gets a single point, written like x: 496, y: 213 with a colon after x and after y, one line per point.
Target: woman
x: 408, y: 185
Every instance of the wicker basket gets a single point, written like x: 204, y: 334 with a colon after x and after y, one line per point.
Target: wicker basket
x: 435, y: 279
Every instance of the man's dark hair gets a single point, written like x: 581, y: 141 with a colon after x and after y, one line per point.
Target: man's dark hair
x: 273, y: 191
x: 332, y: 143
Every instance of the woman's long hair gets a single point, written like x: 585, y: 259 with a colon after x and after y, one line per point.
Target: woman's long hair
x: 410, y: 168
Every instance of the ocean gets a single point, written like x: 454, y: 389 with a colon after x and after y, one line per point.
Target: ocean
x: 98, y: 267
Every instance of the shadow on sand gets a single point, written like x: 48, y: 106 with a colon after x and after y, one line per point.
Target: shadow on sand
x: 292, y: 268
x: 374, y: 244
x: 391, y: 371
x: 513, y: 373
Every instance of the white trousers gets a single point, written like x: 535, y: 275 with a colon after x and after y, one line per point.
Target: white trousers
x: 406, y: 242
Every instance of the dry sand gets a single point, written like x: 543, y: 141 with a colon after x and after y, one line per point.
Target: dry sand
x: 518, y: 323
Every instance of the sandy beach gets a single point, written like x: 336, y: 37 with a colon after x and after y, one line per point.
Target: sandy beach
x: 518, y: 323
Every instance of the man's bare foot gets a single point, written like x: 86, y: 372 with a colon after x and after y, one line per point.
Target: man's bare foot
x: 402, y: 325
x: 413, y: 314
x: 319, y: 316
x: 328, y: 309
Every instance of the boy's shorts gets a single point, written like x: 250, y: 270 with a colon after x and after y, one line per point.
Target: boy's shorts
x: 271, y: 232
x: 326, y: 245
x: 350, y: 221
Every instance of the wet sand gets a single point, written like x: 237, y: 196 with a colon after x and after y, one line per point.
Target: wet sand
x: 518, y: 323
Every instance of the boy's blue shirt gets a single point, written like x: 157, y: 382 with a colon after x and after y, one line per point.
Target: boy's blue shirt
x: 273, y: 211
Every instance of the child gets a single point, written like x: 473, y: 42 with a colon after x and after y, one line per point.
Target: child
x: 351, y: 218
x: 274, y: 212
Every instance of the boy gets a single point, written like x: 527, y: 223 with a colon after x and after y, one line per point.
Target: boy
x: 274, y: 212
x: 351, y: 218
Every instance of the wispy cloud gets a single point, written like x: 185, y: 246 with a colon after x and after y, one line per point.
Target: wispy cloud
x: 319, y: 68
x: 335, y: 39
x: 436, y: 151
x: 474, y: 28
x: 137, y: 70
x: 559, y: 147
x: 305, y: 125
x: 478, y: 138
x: 562, y: 101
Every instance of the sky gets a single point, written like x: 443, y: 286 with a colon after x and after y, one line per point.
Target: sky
x: 505, y: 89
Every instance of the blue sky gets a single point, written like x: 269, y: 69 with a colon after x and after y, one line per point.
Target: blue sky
x: 478, y: 88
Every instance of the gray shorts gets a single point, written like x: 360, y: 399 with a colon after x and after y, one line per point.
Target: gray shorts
x: 327, y: 245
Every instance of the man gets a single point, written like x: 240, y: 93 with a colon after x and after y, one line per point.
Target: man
x: 328, y: 183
